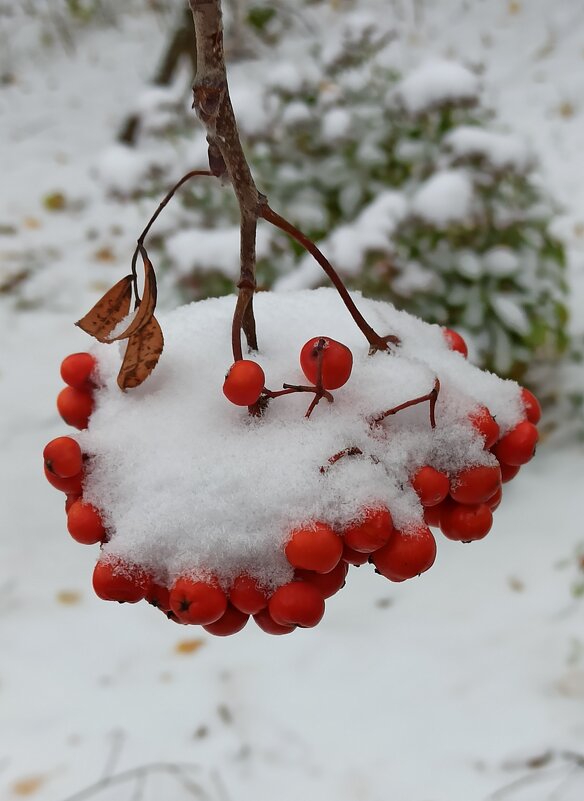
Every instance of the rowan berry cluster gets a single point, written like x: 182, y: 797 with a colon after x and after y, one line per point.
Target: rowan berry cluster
x: 324, y: 361
x: 460, y: 505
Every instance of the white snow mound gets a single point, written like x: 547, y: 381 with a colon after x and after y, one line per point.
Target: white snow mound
x: 190, y: 484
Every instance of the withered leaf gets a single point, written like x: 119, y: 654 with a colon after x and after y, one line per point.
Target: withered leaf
x: 189, y: 646
x: 142, y: 354
x: 108, y: 312
x: 147, y: 305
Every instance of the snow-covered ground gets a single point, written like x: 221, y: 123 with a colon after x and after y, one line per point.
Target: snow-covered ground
x: 464, y: 685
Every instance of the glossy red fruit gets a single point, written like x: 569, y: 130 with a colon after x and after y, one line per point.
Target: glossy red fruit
x: 75, y: 407
x: 84, y: 523
x: 69, y: 501
x: 476, y: 484
x: 77, y: 369
x: 297, y: 604
x: 495, y: 500
x: 518, y: 446
x: 351, y: 557
x: 195, y: 601
x: 118, y: 581
x: 63, y: 457
x: 337, y: 362
x: 432, y: 515
x: 406, y: 555
x: 267, y: 624
x: 531, y: 406
x: 247, y: 595
x: 370, y: 533
x: 484, y: 422
x: 230, y: 622
x: 244, y: 382
x: 508, y: 472
x: 159, y: 596
x: 70, y: 486
x: 431, y: 485
x: 455, y: 341
x: 465, y: 522
x: 314, y: 548
x: 327, y: 583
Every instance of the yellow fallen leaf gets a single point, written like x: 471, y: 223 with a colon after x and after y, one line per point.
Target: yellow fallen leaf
x: 188, y: 646
x: 68, y: 597
x: 27, y: 786
x: 31, y: 223
x: 514, y: 7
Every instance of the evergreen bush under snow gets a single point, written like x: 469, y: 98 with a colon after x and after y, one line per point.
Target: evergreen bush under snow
x: 406, y: 185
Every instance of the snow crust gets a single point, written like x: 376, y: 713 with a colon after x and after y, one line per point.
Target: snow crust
x: 436, y: 82
x: 446, y: 197
x: 501, y: 150
x: 189, y: 483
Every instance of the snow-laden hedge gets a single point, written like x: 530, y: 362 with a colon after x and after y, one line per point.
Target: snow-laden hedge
x: 411, y: 190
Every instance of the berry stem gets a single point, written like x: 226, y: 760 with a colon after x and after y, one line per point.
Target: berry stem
x: 352, y: 451
x: 164, y: 202
x: 376, y: 342
x: 213, y: 107
x: 431, y: 396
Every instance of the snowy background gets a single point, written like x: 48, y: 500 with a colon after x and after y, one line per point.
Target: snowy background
x: 465, y: 685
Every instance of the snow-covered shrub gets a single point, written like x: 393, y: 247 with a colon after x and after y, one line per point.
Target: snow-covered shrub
x: 408, y: 188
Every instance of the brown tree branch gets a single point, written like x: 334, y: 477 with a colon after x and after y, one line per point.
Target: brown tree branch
x: 213, y: 107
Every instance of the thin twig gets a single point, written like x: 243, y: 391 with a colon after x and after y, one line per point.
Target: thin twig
x: 376, y: 342
x: 431, y: 397
x: 177, y: 770
x: 167, y: 198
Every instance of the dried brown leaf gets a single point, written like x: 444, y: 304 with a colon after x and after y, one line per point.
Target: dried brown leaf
x: 108, y: 312
x: 142, y: 354
x: 147, y: 305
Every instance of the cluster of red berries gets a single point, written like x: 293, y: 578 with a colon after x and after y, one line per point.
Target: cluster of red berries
x: 461, y: 505
x: 326, y: 363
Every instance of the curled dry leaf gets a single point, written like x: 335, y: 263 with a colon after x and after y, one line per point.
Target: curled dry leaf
x: 147, y: 305
x: 108, y: 312
x: 142, y: 354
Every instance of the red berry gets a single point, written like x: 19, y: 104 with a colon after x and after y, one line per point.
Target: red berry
x: 432, y: 515
x: 118, y: 581
x: 352, y: 557
x: 63, y: 457
x: 76, y: 371
x: 327, y: 583
x: 531, y: 406
x: 431, y: 485
x: 476, y: 484
x: 508, y: 472
x: 495, y: 500
x: 370, y: 533
x: 230, y: 622
x: 486, y: 425
x: 297, y: 604
x: 244, y: 382
x: 75, y: 407
x: 317, y: 548
x: 70, y: 486
x: 84, y: 523
x: 247, y: 596
x: 465, y: 522
x: 518, y: 446
x: 455, y: 341
x: 267, y: 624
x: 406, y: 555
x: 69, y: 501
x: 195, y: 601
x: 159, y: 596
x: 337, y: 362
